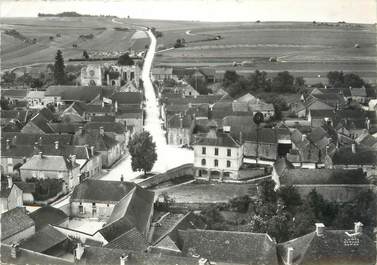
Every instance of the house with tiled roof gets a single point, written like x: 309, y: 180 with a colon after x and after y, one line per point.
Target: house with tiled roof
x: 358, y: 94
x: 97, y: 198
x: 109, y: 148
x: 261, y: 145
x: 162, y: 73
x: 13, y: 155
x: 16, y: 225
x: 54, y: 167
x: 134, y: 210
x: 47, y: 240
x: 73, y: 113
x: 38, y: 124
x: 130, y: 240
x: 179, y: 129
x: 23, y: 116
x: 229, y: 247
x: 325, y: 246
x: 217, y: 153
x: 11, y: 195
x: 13, y: 254
x: 37, y: 100
x: 48, y: 215
x: 354, y: 156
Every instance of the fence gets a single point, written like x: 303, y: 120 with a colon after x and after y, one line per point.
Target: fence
x: 183, y: 170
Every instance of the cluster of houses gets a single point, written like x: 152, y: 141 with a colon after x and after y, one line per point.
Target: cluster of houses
x: 66, y: 132
x: 128, y: 231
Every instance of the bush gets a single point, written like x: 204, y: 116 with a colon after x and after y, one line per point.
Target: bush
x: 46, y: 188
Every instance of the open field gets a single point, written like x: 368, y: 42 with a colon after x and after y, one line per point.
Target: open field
x: 303, y: 48
x: 66, y: 32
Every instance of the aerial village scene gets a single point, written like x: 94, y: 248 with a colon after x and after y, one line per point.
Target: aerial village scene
x: 188, y: 132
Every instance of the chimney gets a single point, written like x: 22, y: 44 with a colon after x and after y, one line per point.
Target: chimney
x: 8, y: 144
x: 226, y: 129
x: 367, y: 122
x: 241, y: 138
x: 123, y: 259
x: 14, y: 251
x: 358, y: 227
x: 327, y: 149
x: 121, y: 178
x: 353, y: 148
x: 40, y: 155
x: 92, y: 150
x: 101, y: 131
x: 108, y: 79
x: 319, y: 229
x: 56, y: 145
x: 303, y: 137
x: 10, y: 181
x: 80, y: 131
x: 14, y: 140
x: 180, y: 122
x: 78, y: 251
x: 116, y: 106
x: 73, y: 159
x: 289, y: 255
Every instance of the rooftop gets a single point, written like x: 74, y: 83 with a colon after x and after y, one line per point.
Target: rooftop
x: 14, y: 221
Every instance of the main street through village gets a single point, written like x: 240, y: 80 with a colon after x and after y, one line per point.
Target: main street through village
x: 167, y: 156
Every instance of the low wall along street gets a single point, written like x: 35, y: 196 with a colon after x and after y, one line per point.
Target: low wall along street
x: 183, y: 170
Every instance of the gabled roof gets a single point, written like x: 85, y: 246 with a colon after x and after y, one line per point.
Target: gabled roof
x: 114, y: 127
x: 25, y: 256
x: 176, y: 121
x: 47, y: 215
x: 14, y: 93
x: 364, y: 155
x: 222, y: 139
x: 21, y: 115
x: 16, y: 151
x: 14, y: 221
x: 127, y: 97
x: 42, y: 123
x: 131, y: 240
x: 232, y: 247
x: 107, y: 256
x: 94, y: 138
x: 92, y: 190
x: 298, y: 176
x: 106, y: 118
x: 132, y: 211
x: 48, y: 163
x: 44, y: 239
x: 263, y: 135
x: 18, y: 138
x: 75, y: 93
x: 342, y: 247
x: 5, y: 190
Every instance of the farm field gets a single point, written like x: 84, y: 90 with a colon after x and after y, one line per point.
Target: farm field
x: 303, y: 48
x: 97, y: 36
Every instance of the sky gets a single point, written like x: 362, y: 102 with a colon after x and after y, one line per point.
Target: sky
x: 360, y: 11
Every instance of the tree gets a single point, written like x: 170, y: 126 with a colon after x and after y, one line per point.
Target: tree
x: 125, y: 59
x: 353, y: 80
x: 335, y: 78
x: 85, y: 54
x: 59, y: 69
x: 299, y: 83
x: 230, y: 77
x: 283, y: 82
x: 9, y: 77
x: 266, y: 192
x: 143, y: 152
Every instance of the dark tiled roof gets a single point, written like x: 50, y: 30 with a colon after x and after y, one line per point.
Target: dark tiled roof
x: 44, y: 239
x: 47, y: 215
x: 369, y: 140
x: 131, y: 240
x: 17, y: 151
x: 106, y: 118
x: 92, y: 108
x: 323, y: 176
x: 132, y: 211
x: 334, y: 247
x: 14, y: 93
x: 81, y: 152
x: 128, y: 97
x: 232, y: 247
x: 14, y: 221
x: 26, y: 187
x: 107, y: 256
x: 115, y: 127
x: 101, y: 191
x: 42, y: 123
x: 69, y: 128
x: 94, y: 138
x: 74, y: 93
x: 30, y: 138
x: 21, y: 115
x: 25, y: 256
x: 175, y: 121
x: 263, y: 135
x: 48, y: 163
x: 364, y: 155
x: 222, y: 139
